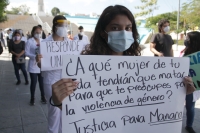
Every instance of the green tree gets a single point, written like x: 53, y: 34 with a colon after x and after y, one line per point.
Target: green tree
x: 152, y: 21
x: 55, y: 11
x: 23, y: 9
x: 14, y: 10
x: 3, y: 5
x: 190, y: 14
x: 147, y: 8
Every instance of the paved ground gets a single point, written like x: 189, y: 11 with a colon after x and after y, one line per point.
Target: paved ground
x: 16, y: 116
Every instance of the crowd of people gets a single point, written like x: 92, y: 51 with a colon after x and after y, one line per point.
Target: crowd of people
x: 115, y: 26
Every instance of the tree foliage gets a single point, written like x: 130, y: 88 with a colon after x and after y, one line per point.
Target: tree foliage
x: 55, y: 11
x: 147, y: 8
x: 3, y: 5
x: 190, y: 14
x: 23, y: 9
x: 151, y: 22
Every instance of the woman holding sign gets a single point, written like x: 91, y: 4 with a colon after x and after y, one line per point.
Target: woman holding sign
x: 192, y: 45
x: 115, y: 34
x: 32, y: 49
x: 50, y: 77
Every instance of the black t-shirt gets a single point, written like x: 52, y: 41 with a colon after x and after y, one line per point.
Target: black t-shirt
x: 17, y: 48
x: 163, y: 43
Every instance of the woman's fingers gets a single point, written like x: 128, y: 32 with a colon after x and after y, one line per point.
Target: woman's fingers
x: 189, y: 85
x: 38, y: 57
x: 62, y: 89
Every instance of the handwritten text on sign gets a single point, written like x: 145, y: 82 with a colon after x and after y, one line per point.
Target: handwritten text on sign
x: 194, y: 68
x: 124, y: 94
x: 52, y: 52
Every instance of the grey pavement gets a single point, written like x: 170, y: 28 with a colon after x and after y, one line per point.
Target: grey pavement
x: 17, y: 116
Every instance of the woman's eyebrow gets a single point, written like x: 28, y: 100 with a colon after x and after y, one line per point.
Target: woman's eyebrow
x: 119, y: 24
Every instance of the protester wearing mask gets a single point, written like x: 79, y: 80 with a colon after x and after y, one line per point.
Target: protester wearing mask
x: 32, y: 49
x: 161, y: 43
x: 115, y: 34
x: 191, y: 46
x: 17, y: 48
x: 82, y: 36
x: 50, y: 77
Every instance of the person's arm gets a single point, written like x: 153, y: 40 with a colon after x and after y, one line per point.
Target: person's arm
x: 12, y: 50
x: 28, y: 50
x: 153, y: 50
x: 38, y: 60
x: 172, y: 52
x: 153, y: 45
x: 62, y: 89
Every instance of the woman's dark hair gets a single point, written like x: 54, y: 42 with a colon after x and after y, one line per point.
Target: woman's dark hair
x: 34, y: 29
x: 161, y: 23
x: 16, y: 32
x: 193, y: 43
x: 80, y: 27
x: 98, y: 45
x: 59, y: 17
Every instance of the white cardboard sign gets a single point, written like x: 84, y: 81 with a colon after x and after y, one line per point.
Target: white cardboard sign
x: 124, y: 94
x: 52, y: 52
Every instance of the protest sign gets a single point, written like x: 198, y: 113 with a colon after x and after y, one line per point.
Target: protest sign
x: 194, y: 70
x: 124, y: 94
x: 52, y: 52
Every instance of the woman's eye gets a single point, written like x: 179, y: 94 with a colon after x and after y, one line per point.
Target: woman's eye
x: 129, y: 28
x: 114, y: 28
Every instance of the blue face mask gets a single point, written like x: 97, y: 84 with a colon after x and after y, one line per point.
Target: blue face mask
x: 120, y: 41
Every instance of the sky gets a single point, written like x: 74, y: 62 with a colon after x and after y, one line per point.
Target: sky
x: 96, y: 6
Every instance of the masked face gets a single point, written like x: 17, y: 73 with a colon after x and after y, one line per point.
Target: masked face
x: 166, y: 29
x: 37, y: 36
x: 62, y: 31
x: 17, y: 38
x: 120, y: 41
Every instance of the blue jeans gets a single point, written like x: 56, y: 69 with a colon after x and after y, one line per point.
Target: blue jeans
x: 190, y: 110
x: 34, y: 77
x: 17, y: 67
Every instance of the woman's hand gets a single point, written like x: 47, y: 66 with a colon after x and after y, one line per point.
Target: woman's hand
x: 38, y: 58
x: 62, y: 89
x: 189, y: 85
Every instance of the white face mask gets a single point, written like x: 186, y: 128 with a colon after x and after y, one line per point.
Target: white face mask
x: 61, y: 31
x: 17, y: 38
x: 120, y: 41
x: 37, y: 36
x: 166, y: 29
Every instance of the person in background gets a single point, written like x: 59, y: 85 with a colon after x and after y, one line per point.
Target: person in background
x: 23, y: 37
x: 9, y: 38
x: 32, y: 49
x: 69, y: 35
x: 191, y: 46
x: 161, y: 43
x: 59, y: 33
x: 28, y: 35
x: 2, y: 38
x: 43, y: 34
x: 81, y: 36
x: 17, y: 48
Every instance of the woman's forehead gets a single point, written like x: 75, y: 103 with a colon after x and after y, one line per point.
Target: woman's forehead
x: 121, y: 20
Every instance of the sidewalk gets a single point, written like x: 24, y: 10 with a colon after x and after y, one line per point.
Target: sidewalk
x: 17, y: 116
